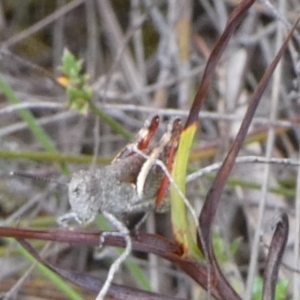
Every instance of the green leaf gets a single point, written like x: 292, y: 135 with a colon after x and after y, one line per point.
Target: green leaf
x: 282, y: 289
x: 70, y: 65
x: 183, y: 233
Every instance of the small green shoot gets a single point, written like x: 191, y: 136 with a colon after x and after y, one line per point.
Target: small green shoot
x: 220, y: 247
x: 80, y: 92
x: 281, y: 289
x: 76, y: 82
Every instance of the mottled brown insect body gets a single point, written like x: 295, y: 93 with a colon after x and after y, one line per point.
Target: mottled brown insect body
x: 130, y: 184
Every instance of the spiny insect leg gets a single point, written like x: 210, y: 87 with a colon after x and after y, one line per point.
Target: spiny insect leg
x: 64, y: 220
x: 142, y: 139
x: 166, y: 147
x: 168, y: 157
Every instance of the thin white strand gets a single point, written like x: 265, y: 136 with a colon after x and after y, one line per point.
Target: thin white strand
x: 172, y: 181
x: 114, y: 268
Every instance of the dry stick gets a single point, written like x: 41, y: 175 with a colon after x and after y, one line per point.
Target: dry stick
x: 28, y: 205
x: 3, y: 24
x: 91, y: 61
x: 212, y: 15
x: 96, y: 133
x: 28, y: 105
x: 275, y: 12
x: 296, y: 277
x: 183, y: 9
x: 9, y: 56
x: 256, y: 37
x: 58, y: 37
x: 123, y: 58
x: 92, y: 40
x: 13, y: 292
x: 23, y: 209
x: 41, y: 24
x: 115, y: 38
x: 221, y: 14
x: 242, y: 160
x: 167, y: 49
x: 157, y: 17
x: 119, y: 56
x: 63, y: 116
x: 153, y: 87
x: 149, y: 110
x: 294, y: 270
x: 265, y: 185
x: 138, y: 46
x: 202, y: 114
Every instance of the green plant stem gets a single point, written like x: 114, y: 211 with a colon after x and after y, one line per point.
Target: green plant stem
x: 51, y: 157
x: 54, y: 278
x: 111, y: 122
x: 37, y: 131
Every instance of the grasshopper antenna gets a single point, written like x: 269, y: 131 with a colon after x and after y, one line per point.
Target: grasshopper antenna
x: 37, y: 178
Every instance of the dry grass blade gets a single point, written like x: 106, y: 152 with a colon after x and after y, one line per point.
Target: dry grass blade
x: 275, y: 255
x: 211, y: 203
x: 214, y: 194
x: 235, y: 18
x: 93, y: 283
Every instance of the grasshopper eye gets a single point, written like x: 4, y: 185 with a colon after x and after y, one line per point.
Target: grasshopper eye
x: 76, y: 191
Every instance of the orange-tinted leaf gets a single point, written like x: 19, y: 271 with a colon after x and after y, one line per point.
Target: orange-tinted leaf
x: 179, y: 221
